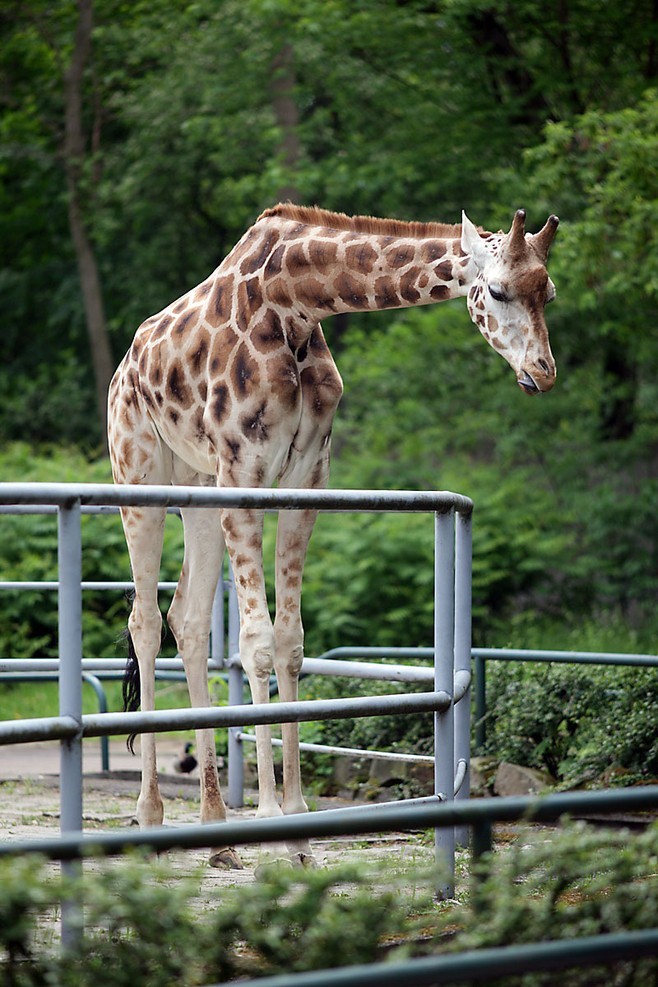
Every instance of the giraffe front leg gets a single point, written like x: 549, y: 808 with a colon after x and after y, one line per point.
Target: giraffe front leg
x: 243, y: 531
x: 189, y: 618
x: 293, y: 534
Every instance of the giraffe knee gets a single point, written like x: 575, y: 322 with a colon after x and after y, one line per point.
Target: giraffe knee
x: 289, y: 640
x: 257, y: 651
x: 146, y: 632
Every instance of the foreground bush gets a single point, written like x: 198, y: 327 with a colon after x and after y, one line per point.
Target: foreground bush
x: 142, y: 928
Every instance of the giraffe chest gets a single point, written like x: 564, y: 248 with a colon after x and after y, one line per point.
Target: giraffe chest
x: 245, y: 417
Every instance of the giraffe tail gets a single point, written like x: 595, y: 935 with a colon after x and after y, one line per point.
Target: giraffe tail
x: 131, y: 688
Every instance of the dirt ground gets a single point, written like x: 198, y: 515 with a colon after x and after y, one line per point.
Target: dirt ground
x: 29, y: 808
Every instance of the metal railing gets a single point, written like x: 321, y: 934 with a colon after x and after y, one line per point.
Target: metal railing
x: 452, y: 633
x: 452, y: 639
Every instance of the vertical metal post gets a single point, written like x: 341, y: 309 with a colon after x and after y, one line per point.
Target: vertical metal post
x: 217, y: 623
x: 444, y: 629
x: 235, y: 698
x: 70, y: 692
x: 480, y: 703
x: 463, y: 572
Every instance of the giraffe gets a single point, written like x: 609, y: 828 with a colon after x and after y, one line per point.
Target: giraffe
x: 233, y: 384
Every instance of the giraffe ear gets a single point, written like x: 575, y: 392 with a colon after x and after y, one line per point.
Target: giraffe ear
x: 472, y: 242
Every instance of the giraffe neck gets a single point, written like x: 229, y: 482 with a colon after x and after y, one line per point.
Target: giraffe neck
x: 314, y: 264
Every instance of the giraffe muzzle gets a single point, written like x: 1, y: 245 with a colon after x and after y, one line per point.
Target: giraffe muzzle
x: 526, y: 383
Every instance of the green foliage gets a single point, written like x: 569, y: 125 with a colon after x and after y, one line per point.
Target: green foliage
x: 577, y: 883
x: 143, y: 925
x: 29, y: 625
x: 577, y: 722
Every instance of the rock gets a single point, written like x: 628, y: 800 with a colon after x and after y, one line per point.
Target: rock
x: 385, y: 773
x: 483, y: 773
x: 514, y: 779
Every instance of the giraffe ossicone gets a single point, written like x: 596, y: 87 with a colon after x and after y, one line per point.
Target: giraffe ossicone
x: 233, y: 384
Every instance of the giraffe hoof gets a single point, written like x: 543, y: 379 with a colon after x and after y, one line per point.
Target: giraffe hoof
x: 306, y: 860
x: 226, y: 859
x: 268, y: 863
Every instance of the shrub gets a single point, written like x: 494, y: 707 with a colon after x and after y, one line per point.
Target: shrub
x: 144, y: 928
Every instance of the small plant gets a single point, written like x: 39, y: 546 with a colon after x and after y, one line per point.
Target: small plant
x: 146, y: 926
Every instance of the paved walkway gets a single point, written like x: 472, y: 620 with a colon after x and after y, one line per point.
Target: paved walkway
x: 35, y: 760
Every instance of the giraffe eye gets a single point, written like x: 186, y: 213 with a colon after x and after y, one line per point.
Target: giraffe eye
x: 497, y: 293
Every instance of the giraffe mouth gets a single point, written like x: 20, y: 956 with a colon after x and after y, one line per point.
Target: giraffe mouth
x: 526, y: 383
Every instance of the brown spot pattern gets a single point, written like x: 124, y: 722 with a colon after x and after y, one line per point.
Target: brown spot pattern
x: 223, y: 345
x: 296, y: 260
x: 267, y: 335
x: 351, y: 290
x: 400, y: 255
x: 361, y: 257
x: 283, y: 377
x: 278, y: 294
x: 250, y: 299
x: 275, y: 262
x: 199, y: 354
x: 432, y: 250
x: 257, y: 259
x: 220, y: 403
x: 315, y: 295
x: 322, y: 254
x: 385, y: 294
x: 408, y: 289
x: 218, y: 310
x: 178, y: 390
x: 245, y: 375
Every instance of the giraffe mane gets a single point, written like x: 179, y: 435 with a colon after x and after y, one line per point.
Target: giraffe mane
x: 314, y: 216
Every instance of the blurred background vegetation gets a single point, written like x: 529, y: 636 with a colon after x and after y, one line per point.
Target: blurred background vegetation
x: 139, y: 140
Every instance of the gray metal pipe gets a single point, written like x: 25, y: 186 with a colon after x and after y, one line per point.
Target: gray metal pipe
x: 105, y: 494
x: 154, y: 721
x: 348, y: 751
x: 43, y: 728
x: 391, y: 817
x: 444, y: 632
x: 478, y: 965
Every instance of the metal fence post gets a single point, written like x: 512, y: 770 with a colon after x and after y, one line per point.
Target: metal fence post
x: 444, y: 741
x: 463, y: 572
x: 480, y: 703
x: 217, y: 623
x: 70, y: 692
x: 235, y: 698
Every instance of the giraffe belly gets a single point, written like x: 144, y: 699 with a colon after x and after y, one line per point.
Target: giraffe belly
x: 196, y: 451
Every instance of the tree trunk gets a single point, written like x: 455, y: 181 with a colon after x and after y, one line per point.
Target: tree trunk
x: 74, y: 152
x: 286, y: 115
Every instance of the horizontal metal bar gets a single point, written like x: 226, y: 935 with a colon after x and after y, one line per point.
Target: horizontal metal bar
x: 368, y: 670
x: 347, y: 751
x: 156, y: 721
x: 45, y: 584
x: 145, y: 495
x: 370, y: 651
x: 52, y: 509
x: 500, y: 654
x: 43, y: 728
x: 567, y: 657
x: 366, y: 754
x: 343, y: 822
x: 36, y: 665
x: 477, y: 965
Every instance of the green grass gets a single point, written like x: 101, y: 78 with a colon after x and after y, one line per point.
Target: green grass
x: 27, y: 700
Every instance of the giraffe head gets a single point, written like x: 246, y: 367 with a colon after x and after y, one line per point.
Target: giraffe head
x: 509, y: 289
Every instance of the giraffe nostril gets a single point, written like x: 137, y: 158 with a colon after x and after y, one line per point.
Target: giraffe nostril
x: 544, y: 366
